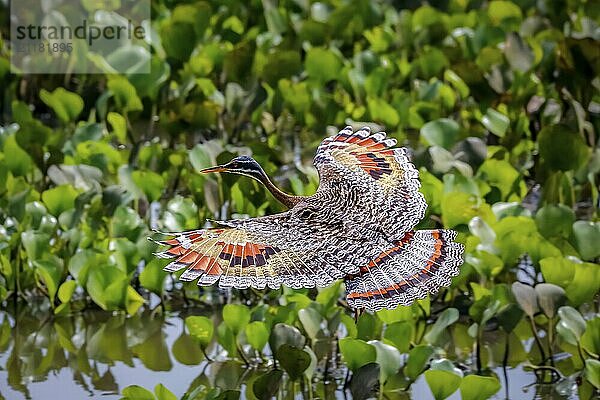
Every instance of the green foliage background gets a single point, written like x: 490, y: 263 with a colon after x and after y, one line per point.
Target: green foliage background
x: 499, y: 101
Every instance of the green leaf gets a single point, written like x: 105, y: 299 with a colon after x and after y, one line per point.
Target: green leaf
x: 400, y: 313
x: 293, y: 360
x: 486, y: 264
x: 446, y: 318
x: 388, y: 358
x: 587, y: 239
x: 495, y: 122
x: 558, y: 270
x: 526, y: 297
x: 555, y: 141
x: 119, y: 125
x: 509, y: 316
x: 135, y: 392
x: 431, y: 62
x: 441, y: 132
x: 357, y: 353
x: 592, y: 372
x: 475, y: 387
x: 517, y: 52
x: 124, y: 93
x: 500, y: 10
x: 555, y: 220
x: 400, y: 334
x: 162, y: 393
x: 133, y: 300
x: 322, y: 64
x: 151, y: 183
x: 550, y: 298
x: 181, y: 214
x: 418, y: 357
x: 36, y: 244
x: 59, y: 199
x: 585, y: 284
x: 328, y: 296
x: 457, y: 83
x: 186, y: 350
x: 266, y: 386
x: 125, y: 223
x: 153, y: 277
x: 107, y: 286
x: 227, y: 339
x: 365, y: 381
x: 500, y: 174
x: 149, y: 84
x: 279, y: 65
x: 66, y: 290
x: 443, y: 364
x: 200, y: 157
x: 19, y: 162
x: 295, y: 94
x: 175, y: 37
x: 350, y: 325
x: 285, y: 334
x: 311, y: 321
x: 590, y: 340
x: 459, y: 208
x: 82, y: 261
x: 201, y: 329
x: 257, y: 335
x: 571, y: 325
x: 369, y: 327
x: 236, y: 317
x: 382, y: 111
x: 442, y: 383
x: 66, y: 105
x: 50, y: 271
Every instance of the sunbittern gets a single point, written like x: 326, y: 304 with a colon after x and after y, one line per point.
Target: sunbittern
x: 358, y: 226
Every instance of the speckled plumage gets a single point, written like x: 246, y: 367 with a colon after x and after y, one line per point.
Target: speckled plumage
x: 358, y: 226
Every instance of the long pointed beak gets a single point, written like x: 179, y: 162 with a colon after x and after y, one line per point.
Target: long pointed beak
x: 218, y: 168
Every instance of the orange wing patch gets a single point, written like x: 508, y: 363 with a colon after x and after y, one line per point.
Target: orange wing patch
x: 371, y: 153
x: 210, y: 253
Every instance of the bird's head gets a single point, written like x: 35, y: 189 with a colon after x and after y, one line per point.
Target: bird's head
x: 241, y: 165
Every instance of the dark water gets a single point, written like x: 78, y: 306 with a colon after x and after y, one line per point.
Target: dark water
x: 96, y: 354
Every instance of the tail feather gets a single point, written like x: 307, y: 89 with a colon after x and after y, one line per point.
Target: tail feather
x: 419, y: 264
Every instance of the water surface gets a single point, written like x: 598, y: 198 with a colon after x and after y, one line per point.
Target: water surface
x: 95, y: 354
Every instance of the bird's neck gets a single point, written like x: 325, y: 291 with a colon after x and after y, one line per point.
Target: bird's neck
x: 287, y: 200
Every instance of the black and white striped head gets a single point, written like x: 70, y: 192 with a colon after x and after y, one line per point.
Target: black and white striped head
x: 241, y: 165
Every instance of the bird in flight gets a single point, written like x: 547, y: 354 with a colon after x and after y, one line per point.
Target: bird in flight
x: 358, y: 226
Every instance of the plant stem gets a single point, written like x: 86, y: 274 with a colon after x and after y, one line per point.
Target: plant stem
x: 242, y: 355
x: 506, y: 348
x: 551, y: 340
x: 478, y: 351
x: 310, y: 394
x: 504, y: 364
x: 206, y: 354
x: 537, y: 339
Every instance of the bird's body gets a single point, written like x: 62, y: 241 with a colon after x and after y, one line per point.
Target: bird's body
x: 358, y: 226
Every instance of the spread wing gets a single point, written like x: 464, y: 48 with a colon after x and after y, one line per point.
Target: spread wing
x: 421, y: 262
x: 384, y: 179
x: 260, y: 252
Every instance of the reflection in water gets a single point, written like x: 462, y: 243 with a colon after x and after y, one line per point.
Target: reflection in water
x: 95, y: 353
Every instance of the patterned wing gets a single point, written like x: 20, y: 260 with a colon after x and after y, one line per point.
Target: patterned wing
x: 260, y: 252
x: 386, y: 183
x: 421, y: 262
